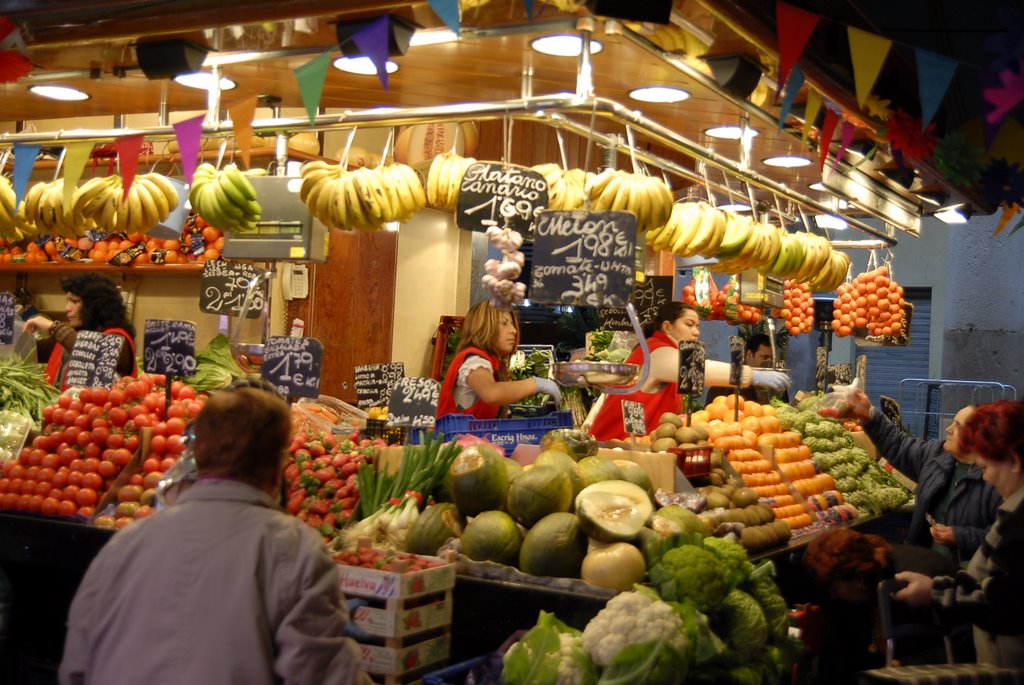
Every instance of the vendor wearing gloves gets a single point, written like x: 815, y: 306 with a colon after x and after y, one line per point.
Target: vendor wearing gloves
x: 476, y: 382
x: 950, y: 491
x: 675, y: 322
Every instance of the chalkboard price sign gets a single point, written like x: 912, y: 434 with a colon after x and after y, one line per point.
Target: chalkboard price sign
x: 736, y: 349
x: 633, y: 417
x: 169, y: 347
x: 497, y: 194
x: 93, y: 360
x: 840, y: 374
x: 6, y: 318
x: 649, y: 296
x: 691, y: 367
x: 223, y: 288
x: 584, y: 258
x: 613, y: 319
x: 373, y: 383
x: 413, y: 403
x: 293, y: 365
x: 891, y: 410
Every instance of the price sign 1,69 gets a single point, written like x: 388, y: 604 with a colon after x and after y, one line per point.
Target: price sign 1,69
x: 293, y: 365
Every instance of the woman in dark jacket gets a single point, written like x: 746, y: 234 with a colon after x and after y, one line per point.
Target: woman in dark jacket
x: 954, y: 507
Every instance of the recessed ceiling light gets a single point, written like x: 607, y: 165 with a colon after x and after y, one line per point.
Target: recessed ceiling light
x: 203, y: 80
x: 830, y: 221
x: 659, y: 94
x: 563, y: 45
x: 362, y: 66
x: 432, y: 37
x: 734, y: 207
x: 59, y: 92
x: 729, y: 132
x: 786, y: 161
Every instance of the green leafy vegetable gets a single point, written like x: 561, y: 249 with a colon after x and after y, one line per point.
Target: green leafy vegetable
x: 550, y: 653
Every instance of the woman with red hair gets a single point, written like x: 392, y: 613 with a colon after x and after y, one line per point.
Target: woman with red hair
x: 990, y: 593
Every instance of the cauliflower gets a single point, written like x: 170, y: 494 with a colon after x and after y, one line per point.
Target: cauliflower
x: 632, y: 618
x: 691, y: 572
x: 550, y: 653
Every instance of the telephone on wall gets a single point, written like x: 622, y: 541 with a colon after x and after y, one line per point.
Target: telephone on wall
x: 294, y: 281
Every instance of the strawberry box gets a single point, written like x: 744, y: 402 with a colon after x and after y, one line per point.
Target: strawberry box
x: 394, y: 659
x: 401, y: 617
x: 385, y: 575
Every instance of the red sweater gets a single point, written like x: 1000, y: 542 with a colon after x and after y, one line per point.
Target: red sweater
x: 446, y: 400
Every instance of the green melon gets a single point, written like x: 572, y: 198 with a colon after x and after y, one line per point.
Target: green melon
x: 566, y: 464
x: 687, y: 521
x: 492, y: 536
x: 613, y: 510
x: 597, y: 469
x: 540, y: 491
x: 576, y: 443
x: 479, y: 480
x: 433, y: 527
x: 514, y: 468
x: 555, y: 546
x: 635, y: 474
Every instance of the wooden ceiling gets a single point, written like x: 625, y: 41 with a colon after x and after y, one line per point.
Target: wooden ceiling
x: 90, y: 44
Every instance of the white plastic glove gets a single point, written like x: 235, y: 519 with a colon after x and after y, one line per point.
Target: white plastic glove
x: 548, y: 387
x: 776, y: 381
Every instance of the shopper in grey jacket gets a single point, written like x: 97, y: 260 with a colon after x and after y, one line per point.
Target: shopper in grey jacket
x: 222, y: 588
x: 954, y: 507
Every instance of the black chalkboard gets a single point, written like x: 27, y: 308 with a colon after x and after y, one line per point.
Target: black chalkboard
x: 891, y: 410
x: 6, y: 318
x: 373, y: 383
x: 613, y: 319
x: 736, y: 350
x: 169, y: 347
x: 413, y: 403
x: 497, y: 194
x: 93, y: 360
x: 649, y: 296
x: 293, y: 365
x: 691, y: 367
x: 223, y: 288
x: 633, y: 417
x: 584, y: 258
x: 840, y: 374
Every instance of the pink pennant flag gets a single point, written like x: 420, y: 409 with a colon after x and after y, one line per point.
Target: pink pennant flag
x: 845, y: 138
x: 128, y: 149
x: 242, y: 114
x: 190, y: 135
x: 828, y: 129
x: 794, y: 27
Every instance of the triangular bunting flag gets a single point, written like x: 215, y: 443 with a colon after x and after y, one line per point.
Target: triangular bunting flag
x: 793, y: 84
x: 189, y: 134
x: 528, y: 4
x: 845, y: 138
x: 373, y: 42
x: 448, y: 12
x: 934, y: 72
x: 868, y: 53
x: 242, y: 114
x: 811, y: 110
x: 794, y: 27
x: 24, y: 160
x: 75, y: 157
x: 311, y: 76
x: 128, y: 149
x: 828, y: 129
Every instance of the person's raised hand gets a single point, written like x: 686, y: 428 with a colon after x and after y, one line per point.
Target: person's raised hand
x: 775, y: 381
x: 859, y: 405
x: 548, y: 387
x: 38, y: 324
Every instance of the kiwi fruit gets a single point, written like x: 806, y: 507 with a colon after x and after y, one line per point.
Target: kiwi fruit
x: 743, y: 497
x: 686, y: 435
x: 717, y: 500
x: 663, y: 444
x: 670, y: 418
x: 665, y: 430
x: 701, y: 431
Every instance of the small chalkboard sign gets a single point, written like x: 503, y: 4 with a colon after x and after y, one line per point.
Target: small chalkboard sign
x: 169, y: 347
x: 584, y: 258
x: 93, y: 360
x: 633, y: 417
x: 373, y: 383
x: 891, y: 410
x: 840, y: 374
x: 224, y: 285
x: 613, y: 319
x: 736, y: 349
x: 6, y: 318
x: 649, y: 296
x: 293, y: 365
x: 497, y: 194
x: 413, y: 403
x: 691, y: 367
x: 820, y: 368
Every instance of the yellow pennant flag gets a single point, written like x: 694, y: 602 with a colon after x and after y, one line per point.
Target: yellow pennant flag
x: 868, y: 53
x: 242, y: 114
x: 811, y: 110
x: 75, y: 156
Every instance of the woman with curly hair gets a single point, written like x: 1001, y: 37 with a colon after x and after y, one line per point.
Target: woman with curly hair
x: 92, y: 302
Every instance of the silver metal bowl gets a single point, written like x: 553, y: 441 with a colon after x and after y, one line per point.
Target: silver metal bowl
x: 596, y: 373
x: 248, y: 355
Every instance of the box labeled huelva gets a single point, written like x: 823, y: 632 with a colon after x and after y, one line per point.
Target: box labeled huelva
x: 357, y: 581
x: 399, y: 618
x: 397, y: 660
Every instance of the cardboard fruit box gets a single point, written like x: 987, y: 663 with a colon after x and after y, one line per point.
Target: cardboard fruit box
x: 357, y: 581
x: 398, y: 618
x: 383, y: 660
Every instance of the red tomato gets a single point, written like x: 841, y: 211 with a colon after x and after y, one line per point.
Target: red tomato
x: 167, y: 462
x: 131, y: 442
x: 57, y: 416
x: 77, y: 405
x: 115, y: 440
x: 86, y: 497
x: 87, y: 512
x: 152, y: 479
x: 158, y: 444
x: 100, y: 396
x: 82, y: 421
x: 70, y: 416
x: 117, y: 415
x: 71, y: 434
x: 150, y: 465
x: 64, y: 401
x: 175, y: 444
x: 176, y: 426
x: 84, y: 438
x: 100, y: 435
x: 70, y: 493
x: 50, y: 461
x: 116, y: 397
x: 43, y: 488
x: 93, y: 481
x: 48, y: 413
x: 176, y: 411
x: 49, y: 506
x: 121, y: 457
x: 67, y: 508
x: 60, y: 478
x: 75, y: 478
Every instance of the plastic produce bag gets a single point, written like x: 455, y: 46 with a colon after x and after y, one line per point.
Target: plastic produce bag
x: 837, y: 404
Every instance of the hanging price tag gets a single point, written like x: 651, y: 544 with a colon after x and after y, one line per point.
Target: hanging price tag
x: 891, y: 410
x: 169, y: 347
x: 293, y: 365
x: 840, y: 374
x: 413, y: 403
x: 6, y: 318
x: 736, y: 349
x: 223, y: 287
x: 497, y: 194
x: 633, y: 417
x: 93, y: 360
x: 691, y: 367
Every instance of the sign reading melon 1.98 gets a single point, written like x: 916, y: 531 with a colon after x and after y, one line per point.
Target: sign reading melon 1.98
x: 223, y: 288
x: 584, y: 258
x: 496, y: 194
x: 6, y: 318
x: 169, y: 347
x: 93, y: 360
x: 413, y: 403
x: 293, y: 365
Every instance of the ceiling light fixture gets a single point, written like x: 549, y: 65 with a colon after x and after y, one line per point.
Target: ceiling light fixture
x: 564, y: 45
x: 955, y: 214
x: 734, y: 207
x: 362, y: 66
x: 65, y: 93
x: 831, y: 221
x: 819, y: 186
x: 786, y: 161
x: 433, y: 37
x: 659, y: 94
x: 729, y: 132
x: 203, y: 80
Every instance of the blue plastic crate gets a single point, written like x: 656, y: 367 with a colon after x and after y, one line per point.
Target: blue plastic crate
x: 506, y: 433
x: 455, y: 674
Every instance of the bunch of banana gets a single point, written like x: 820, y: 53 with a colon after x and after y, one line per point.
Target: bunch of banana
x: 816, y: 256
x: 834, y: 273
x: 44, y: 207
x: 693, y: 228
x: 747, y: 244
x: 365, y: 198
x: 100, y: 203
x: 647, y: 197
x: 14, y: 225
x: 443, y: 179
x: 224, y: 198
x: 565, y: 188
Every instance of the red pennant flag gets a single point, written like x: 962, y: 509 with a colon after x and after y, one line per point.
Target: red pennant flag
x: 828, y: 129
x: 794, y: 27
x: 128, y: 149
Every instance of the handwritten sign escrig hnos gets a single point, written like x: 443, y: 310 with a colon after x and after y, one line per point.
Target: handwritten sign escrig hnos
x: 293, y: 365
x: 6, y: 318
x: 169, y: 347
x: 413, y: 403
x: 93, y: 360
x: 373, y: 383
x: 493, y: 193
x: 224, y: 286
x: 691, y: 367
x: 584, y: 258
